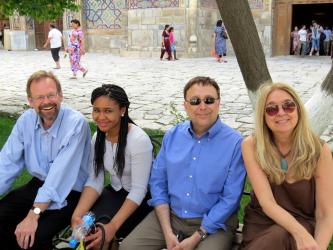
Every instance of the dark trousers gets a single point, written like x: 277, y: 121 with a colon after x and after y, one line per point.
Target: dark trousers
x: 15, y: 206
x: 55, y: 54
x: 167, y: 49
x: 110, y: 202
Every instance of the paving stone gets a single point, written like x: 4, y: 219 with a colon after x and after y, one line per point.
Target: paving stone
x: 153, y: 85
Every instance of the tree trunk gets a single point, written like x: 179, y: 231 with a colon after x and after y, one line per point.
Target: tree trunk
x: 238, y: 20
x: 320, y: 105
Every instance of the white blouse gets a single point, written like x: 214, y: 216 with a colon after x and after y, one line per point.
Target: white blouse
x: 138, y: 162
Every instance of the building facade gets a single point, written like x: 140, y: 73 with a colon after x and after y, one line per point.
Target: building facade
x: 134, y: 27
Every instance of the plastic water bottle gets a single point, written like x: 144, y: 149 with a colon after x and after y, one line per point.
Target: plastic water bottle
x: 81, y: 230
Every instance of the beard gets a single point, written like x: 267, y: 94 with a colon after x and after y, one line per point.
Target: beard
x: 49, y: 112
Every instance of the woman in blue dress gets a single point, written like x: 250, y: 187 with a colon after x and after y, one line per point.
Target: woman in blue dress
x: 220, y: 41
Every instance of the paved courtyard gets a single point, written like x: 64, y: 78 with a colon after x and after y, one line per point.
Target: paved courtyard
x: 153, y: 85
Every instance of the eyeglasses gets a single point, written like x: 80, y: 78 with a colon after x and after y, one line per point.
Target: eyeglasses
x: 207, y: 100
x: 41, y: 98
x: 287, y: 106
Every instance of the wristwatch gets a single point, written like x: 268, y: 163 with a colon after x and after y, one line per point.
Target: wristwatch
x: 36, y: 210
x: 203, y: 235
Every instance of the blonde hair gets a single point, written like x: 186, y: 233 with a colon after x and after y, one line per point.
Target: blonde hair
x: 306, y: 146
x: 41, y: 74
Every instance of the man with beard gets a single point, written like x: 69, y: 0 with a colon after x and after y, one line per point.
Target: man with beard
x: 53, y: 144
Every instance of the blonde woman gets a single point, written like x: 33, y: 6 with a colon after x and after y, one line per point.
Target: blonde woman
x: 291, y: 172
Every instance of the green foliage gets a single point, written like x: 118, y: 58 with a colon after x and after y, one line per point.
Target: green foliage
x: 178, y: 117
x: 6, y: 125
x: 40, y: 10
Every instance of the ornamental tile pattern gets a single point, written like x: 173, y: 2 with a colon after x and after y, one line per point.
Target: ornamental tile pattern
x: 145, y: 4
x: 103, y: 14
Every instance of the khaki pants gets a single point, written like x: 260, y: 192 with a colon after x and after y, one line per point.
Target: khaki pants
x: 148, y: 234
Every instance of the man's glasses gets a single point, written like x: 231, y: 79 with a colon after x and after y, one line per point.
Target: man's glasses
x: 41, y: 98
x: 196, y: 100
x: 287, y: 106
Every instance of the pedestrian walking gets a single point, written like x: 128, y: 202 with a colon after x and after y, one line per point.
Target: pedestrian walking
x: 55, y: 40
x: 76, y: 48
x: 220, y: 37
x: 172, y: 43
x: 166, y: 43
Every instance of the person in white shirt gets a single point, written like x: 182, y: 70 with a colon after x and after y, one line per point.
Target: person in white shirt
x: 302, y: 38
x: 124, y: 150
x: 55, y: 41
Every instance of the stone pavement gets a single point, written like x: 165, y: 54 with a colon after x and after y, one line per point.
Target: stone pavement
x: 152, y: 85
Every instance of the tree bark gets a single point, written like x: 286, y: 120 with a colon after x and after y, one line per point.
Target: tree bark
x: 319, y: 106
x: 238, y: 20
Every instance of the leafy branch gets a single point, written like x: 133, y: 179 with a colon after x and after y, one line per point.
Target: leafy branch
x: 40, y: 10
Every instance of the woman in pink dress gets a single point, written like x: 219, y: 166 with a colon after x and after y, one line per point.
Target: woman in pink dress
x: 295, y: 42
x: 76, y: 48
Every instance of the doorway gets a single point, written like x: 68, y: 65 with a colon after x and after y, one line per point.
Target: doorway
x: 288, y: 13
x: 305, y: 13
x: 42, y: 31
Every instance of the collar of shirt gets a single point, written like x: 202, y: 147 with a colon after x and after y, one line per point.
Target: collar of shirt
x: 211, y: 132
x: 53, y: 130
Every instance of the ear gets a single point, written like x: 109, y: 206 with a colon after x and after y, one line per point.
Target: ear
x: 30, y: 101
x: 61, y: 97
x: 186, y: 104
x: 123, y: 110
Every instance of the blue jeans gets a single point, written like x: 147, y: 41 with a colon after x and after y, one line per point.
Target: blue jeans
x: 315, y: 43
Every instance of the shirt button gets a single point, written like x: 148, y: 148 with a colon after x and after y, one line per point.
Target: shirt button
x: 187, y: 194
x: 190, y: 176
x: 185, y: 211
x: 194, y: 158
x: 198, y: 141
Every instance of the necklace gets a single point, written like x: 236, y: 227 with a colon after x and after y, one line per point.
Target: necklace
x: 284, y: 163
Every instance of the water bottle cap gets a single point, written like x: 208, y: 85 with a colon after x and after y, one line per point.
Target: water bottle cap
x: 88, y: 219
x: 72, y: 243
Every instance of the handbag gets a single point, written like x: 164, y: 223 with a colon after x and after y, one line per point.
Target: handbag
x: 224, y: 35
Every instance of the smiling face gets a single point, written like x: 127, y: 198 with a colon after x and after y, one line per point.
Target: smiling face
x: 45, y: 99
x: 107, y: 114
x: 283, y: 122
x: 203, y: 116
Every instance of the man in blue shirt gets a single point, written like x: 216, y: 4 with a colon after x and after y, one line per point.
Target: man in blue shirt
x: 196, y: 181
x: 327, y: 41
x: 53, y: 144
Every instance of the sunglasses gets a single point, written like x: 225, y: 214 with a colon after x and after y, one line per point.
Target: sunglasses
x: 207, y: 100
x: 287, y: 106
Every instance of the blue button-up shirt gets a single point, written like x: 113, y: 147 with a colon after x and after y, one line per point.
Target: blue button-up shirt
x: 199, y: 177
x: 58, y: 155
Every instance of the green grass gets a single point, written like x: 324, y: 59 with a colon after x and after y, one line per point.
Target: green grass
x: 7, y: 122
